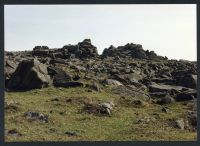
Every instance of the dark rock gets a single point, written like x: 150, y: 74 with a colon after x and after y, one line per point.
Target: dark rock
x: 60, y: 77
x: 10, y: 67
x: 40, y: 51
x: 69, y: 100
x: 76, y: 77
x: 84, y: 49
x: 189, y: 81
x: 182, y: 72
x: 130, y: 50
x: 30, y: 74
x: 13, y: 132
x: 186, y: 95
x: 37, y: 116
x: 61, y: 113
x: 71, y: 133
x: 165, y: 100
x: 166, y: 80
x: 55, y: 99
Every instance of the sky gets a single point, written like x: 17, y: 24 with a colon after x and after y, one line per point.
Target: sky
x: 169, y: 30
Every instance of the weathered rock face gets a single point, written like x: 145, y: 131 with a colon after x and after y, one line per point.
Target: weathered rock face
x: 30, y: 74
x: 59, y: 76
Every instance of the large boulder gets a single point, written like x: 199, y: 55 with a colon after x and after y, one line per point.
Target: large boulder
x: 30, y: 74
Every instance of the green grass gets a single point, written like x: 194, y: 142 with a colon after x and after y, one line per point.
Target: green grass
x: 121, y: 126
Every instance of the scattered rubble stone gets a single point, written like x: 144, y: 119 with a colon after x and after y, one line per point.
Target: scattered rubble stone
x: 100, y: 108
x: 37, y: 116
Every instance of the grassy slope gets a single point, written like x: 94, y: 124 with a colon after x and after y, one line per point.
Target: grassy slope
x: 121, y: 126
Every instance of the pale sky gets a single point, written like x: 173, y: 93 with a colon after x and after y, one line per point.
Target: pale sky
x: 169, y: 30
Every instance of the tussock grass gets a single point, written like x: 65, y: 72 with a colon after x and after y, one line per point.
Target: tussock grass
x: 65, y: 115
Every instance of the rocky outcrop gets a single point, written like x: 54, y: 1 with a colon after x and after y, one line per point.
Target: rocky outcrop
x: 129, y: 66
x: 83, y: 49
x: 130, y: 50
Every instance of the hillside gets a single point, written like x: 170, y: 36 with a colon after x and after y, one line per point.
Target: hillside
x: 74, y: 94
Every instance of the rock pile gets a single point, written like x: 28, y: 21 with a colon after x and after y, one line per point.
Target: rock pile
x: 129, y: 69
x: 130, y: 50
x: 83, y: 49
